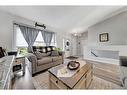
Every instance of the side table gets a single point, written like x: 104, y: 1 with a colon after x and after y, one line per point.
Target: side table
x: 20, y: 60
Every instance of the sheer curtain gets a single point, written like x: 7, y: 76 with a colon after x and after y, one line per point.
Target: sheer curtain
x: 30, y: 35
x: 47, y: 36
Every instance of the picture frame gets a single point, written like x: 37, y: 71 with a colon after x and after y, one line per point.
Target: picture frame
x: 104, y: 37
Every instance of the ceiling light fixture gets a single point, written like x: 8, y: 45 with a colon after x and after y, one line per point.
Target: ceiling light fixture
x: 77, y: 34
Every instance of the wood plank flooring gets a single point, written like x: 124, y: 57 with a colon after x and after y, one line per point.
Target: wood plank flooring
x: 41, y: 82
x: 26, y: 82
x: 109, y: 72
x: 23, y: 82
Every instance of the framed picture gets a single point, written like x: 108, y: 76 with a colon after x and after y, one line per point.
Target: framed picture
x: 103, y: 37
x: 67, y: 45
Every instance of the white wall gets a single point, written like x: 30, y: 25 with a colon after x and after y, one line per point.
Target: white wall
x: 60, y: 36
x: 73, y: 45
x: 116, y: 26
x: 83, y: 40
x: 78, y: 44
x: 6, y: 30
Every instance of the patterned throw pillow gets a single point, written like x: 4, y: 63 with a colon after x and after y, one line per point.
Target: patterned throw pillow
x: 53, y: 48
x: 54, y: 53
x: 48, y: 49
x: 39, y: 49
x: 44, y: 50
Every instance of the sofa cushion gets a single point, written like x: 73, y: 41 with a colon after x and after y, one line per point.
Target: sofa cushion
x: 56, y: 58
x: 44, y: 60
x: 40, y: 49
x: 40, y: 55
x: 48, y: 53
x: 54, y: 53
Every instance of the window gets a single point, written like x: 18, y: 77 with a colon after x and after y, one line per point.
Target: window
x: 39, y: 40
x: 53, y: 41
x: 20, y: 41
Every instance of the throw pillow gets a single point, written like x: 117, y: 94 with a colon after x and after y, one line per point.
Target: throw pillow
x: 53, y: 48
x: 48, y: 49
x: 54, y: 53
x: 43, y: 50
x: 40, y: 55
x: 48, y: 53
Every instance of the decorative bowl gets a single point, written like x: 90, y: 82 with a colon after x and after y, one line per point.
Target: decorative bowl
x: 73, y: 65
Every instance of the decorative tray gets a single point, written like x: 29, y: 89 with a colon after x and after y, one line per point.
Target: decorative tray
x: 73, y: 65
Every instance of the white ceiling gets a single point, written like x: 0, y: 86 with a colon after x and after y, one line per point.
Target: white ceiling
x: 71, y: 19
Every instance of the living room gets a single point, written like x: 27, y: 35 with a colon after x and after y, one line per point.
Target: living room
x: 51, y: 47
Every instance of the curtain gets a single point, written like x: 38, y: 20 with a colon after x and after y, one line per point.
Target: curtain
x: 47, y: 36
x: 30, y: 35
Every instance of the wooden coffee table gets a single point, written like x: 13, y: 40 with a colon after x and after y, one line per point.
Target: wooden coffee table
x: 80, y: 80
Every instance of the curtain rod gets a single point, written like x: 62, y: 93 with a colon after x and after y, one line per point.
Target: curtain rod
x: 29, y: 26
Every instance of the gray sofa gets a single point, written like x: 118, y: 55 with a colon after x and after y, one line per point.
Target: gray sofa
x: 48, y: 59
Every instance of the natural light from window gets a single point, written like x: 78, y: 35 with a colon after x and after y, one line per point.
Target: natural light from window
x: 39, y: 40
x: 53, y: 41
x: 21, y: 42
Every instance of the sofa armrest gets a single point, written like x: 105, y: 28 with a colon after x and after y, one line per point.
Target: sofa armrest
x: 33, y: 59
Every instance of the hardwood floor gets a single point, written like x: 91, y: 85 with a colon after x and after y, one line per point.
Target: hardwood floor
x: 41, y: 81
x: 23, y: 82
x: 109, y: 72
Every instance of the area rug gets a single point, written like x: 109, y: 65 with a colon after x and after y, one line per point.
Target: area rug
x: 41, y: 81
x: 72, y: 57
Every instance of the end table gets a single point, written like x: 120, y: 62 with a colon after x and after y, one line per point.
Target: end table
x: 20, y: 60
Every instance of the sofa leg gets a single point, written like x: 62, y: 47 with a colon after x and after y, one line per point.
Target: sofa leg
x: 33, y: 75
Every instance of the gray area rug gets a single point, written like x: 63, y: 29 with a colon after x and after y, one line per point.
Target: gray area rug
x: 41, y: 81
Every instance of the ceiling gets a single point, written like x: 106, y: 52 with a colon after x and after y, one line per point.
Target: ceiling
x: 73, y: 19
